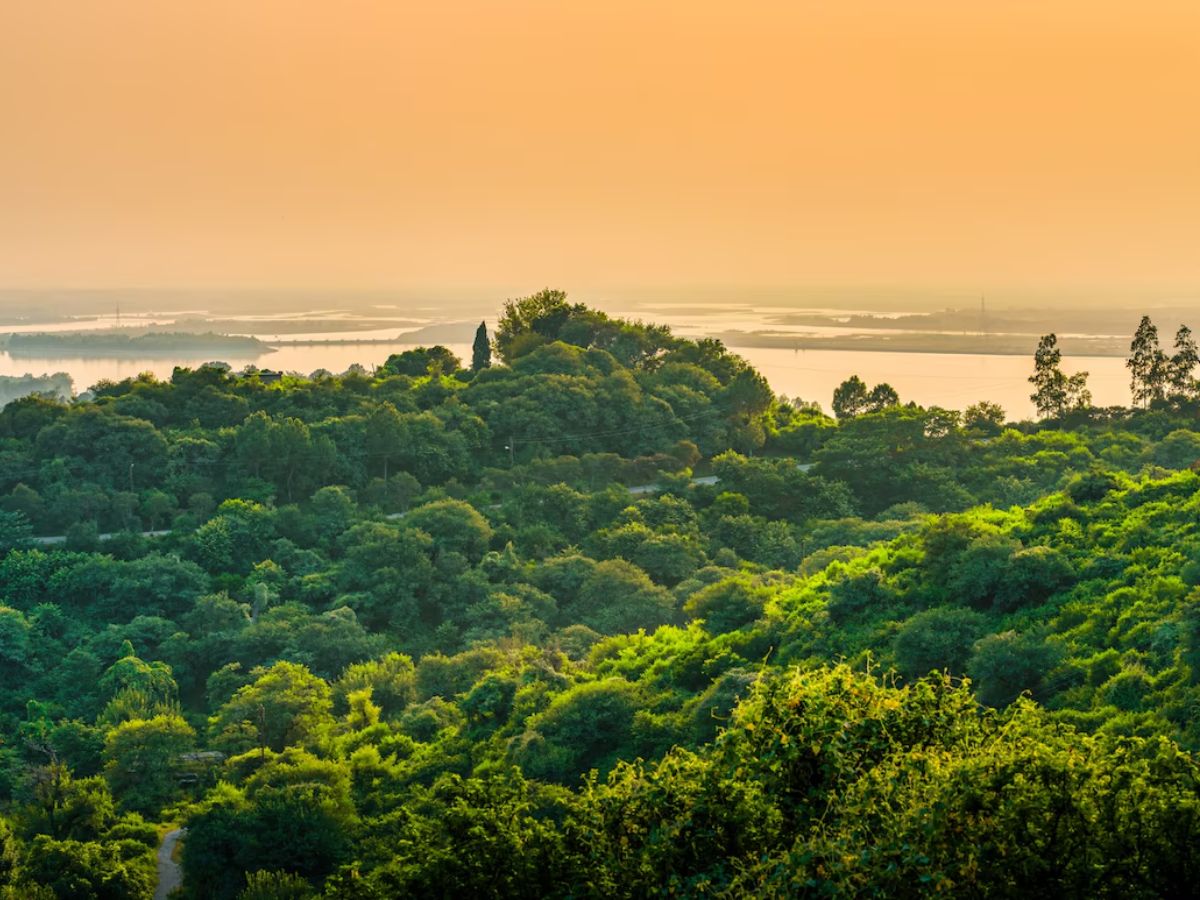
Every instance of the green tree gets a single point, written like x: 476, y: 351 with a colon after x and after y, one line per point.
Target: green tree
x: 454, y: 525
x: 1182, y: 364
x: 984, y: 418
x: 116, y: 870
x: 385, y: 435
x: 1178, y: 450
x: 14, y: 640
x: 141, y: 760
x: 1003, y: 666
x: 485, y: 837
x: 850, y: 398
x: 15, y: 531
x: 64, y: 807
x: 530, y: 321
x: 937, y: 639
x: 422, y: 361
x: 137, y: 690
x: 292, y: 818
x: 334, y: 508
x: 252, y: 442
x: 285, y: 705
x: 727, y: 604
x: 1149, y: 368
x: 584, y: 728
x: 1055, y: 393
x: 619, y: 597
x: 390, y: 679
x: 881, y: 397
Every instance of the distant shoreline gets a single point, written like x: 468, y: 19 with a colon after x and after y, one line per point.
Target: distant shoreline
x: 963, y: 345
x: 109, y: 345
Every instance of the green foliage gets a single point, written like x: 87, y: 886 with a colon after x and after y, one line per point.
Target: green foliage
x: 1149, y: 367
x: 851, y: 398
x: 1004, y: 666
x: 275, y: 886
x: 727, y: 604
x: 422, y: 361
x: 418, y: 609
x: 285, y: 705
x: 581, y: 730
x: 301, y: 828
x: 618, y: 596
x: 141, y: 760
x: 489, y: 837
x: 116, y: 870
x: 455, y: 526
x: 938, y: 640
x: 1056, y: 394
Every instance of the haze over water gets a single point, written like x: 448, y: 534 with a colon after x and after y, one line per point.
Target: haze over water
x: 951, y: 380
x: 1046, y: 149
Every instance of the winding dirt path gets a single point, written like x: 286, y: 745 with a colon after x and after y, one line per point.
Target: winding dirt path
x: 169, y: 874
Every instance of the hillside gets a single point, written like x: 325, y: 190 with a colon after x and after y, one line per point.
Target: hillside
x: 593, y: 615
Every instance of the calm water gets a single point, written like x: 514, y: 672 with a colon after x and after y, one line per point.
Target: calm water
x: 950, y: 380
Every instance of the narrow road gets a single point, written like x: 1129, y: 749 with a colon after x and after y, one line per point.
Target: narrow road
x: 169, y: 874
x: 651, y: 488
x: 51, y: 539
x: 703, y: 479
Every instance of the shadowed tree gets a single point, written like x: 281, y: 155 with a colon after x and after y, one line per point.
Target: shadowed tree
x: 481, y: 350
x: 1182, y: 364
x: 384, y: 435
x: 881, y: 397
x: 849, y: 398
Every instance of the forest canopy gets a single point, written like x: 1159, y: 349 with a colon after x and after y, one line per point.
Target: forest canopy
x: 595, y: 614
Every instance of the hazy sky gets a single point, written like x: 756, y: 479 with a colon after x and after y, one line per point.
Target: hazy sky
x: 516, y: 143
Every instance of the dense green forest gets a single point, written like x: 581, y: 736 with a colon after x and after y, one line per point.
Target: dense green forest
x: 594, y: 614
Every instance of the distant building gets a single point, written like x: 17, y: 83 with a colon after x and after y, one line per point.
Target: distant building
x: 198, y: 767
x: 269, y: 376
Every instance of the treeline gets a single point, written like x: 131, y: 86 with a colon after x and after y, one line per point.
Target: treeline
x: 413, y: 634
x: 120, y: 343
x: 13, y: 387
x: 1156, y: 379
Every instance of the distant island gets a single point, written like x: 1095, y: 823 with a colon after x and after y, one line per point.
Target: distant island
x: 126, y: 344
x: 923, y: 342
x: 1006, y: 331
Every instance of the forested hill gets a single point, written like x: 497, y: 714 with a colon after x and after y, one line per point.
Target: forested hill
x: 593, y: 614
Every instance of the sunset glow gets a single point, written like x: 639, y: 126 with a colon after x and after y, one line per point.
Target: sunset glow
x: 378, y: 144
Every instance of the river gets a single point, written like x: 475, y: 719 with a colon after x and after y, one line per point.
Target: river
x: 950, y: 380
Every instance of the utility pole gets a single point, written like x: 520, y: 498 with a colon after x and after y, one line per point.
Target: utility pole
x: 512, y: 452
x: 131, y: 490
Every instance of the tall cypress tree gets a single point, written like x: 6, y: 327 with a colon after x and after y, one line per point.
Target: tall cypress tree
x: 481, y: 350
x: 1147, y: 364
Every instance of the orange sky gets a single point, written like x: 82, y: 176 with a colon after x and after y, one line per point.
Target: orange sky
x: 518, y: 143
